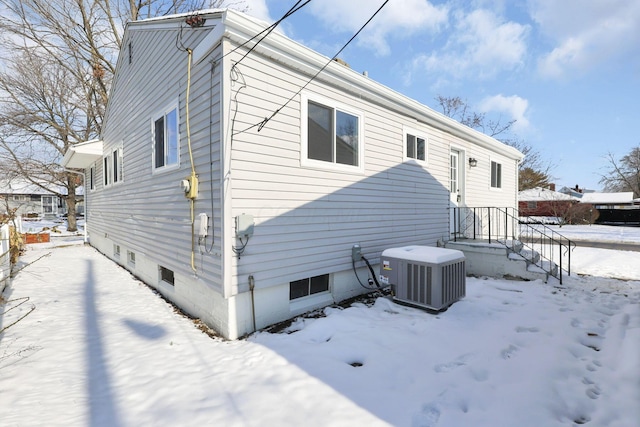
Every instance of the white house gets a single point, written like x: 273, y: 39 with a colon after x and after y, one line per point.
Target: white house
x: 28, y: 198
x: 242, y: 221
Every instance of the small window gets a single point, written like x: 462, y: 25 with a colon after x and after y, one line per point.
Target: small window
x: 166, y: 275
x: 165, y: 139
x: 496, y: 175
x: 107, y: 171
x: 116, y: 157
x: 308, y: 286
x: 415, y: 146
x: 333, y: 135
x: 92, y: 177
x: 116, y: 251
x: 131, y: 258
x: 532, y: 205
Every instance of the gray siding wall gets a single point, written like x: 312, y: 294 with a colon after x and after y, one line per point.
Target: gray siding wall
x: 308, y: 218
x: 148, y: 213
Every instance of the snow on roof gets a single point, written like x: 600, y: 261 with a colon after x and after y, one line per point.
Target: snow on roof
x: 542, y: 194
x: 24, y: 187
x: 608, y: 198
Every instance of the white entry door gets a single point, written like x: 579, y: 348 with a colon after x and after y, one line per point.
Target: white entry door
x: 454, y: 177
x: 455, y: 188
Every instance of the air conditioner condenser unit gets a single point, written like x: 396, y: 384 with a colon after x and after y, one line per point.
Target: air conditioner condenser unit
x: 424, y: 276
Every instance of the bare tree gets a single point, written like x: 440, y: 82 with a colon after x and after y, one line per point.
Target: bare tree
x: 623, y: 174
x: 457, y: 108
x: 534, y: 171
x: 60, y: 58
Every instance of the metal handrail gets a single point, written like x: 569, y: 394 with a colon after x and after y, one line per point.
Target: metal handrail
x: 502, y: 225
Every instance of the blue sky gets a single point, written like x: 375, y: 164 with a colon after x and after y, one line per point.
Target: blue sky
x: 567, y: 70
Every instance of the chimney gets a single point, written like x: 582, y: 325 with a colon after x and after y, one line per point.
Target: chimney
x: 552, y: 187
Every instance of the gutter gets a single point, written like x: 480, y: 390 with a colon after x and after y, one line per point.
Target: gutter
x: 279, y: 48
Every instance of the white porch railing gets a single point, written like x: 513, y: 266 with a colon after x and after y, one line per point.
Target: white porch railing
x: 5, y: 256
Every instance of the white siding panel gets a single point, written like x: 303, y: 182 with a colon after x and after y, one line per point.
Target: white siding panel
x: 148, y: 212
x: 307, y: 219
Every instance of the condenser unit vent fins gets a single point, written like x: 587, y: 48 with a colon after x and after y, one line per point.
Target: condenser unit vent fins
x: 419, y: 283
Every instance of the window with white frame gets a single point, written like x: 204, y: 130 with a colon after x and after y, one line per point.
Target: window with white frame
x: 131, y: 258
x: 166, y: 275
x: 166, y: 144
x: 107, y: 171
x: 415, y: 146
x: 496, y: 175
x: 333, y: 134
x: 92, y: 177
x: 117, y: 162
x: 309, y: 286
x: 112, y: 167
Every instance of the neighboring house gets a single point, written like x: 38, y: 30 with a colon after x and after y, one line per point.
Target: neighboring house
x: 614, y: 208
x: 545, y: 204
x: 267, y: 233
x: 33, y: 200
x: 575, y: 191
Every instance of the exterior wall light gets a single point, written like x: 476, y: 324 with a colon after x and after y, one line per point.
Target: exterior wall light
x: 473, y: 162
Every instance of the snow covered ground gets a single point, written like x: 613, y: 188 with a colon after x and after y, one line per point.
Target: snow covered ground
x: 99, y: 348
x: 599, y: 233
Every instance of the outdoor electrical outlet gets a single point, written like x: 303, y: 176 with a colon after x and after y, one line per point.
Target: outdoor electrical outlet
x: 356, y: 252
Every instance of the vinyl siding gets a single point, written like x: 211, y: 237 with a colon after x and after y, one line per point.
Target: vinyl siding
x: 308, y: 218
x: 148, y: 213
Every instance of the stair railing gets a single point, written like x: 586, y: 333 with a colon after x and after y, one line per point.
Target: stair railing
x: 544, y: 246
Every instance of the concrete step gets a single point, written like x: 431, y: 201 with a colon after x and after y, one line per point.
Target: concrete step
x: 499, y: 259
x: 528, y: 254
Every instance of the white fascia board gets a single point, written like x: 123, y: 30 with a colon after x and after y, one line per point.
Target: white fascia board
x: 239, y: 28
x: 207, y: 44
x: 169, y: 21
x: 82, y: 155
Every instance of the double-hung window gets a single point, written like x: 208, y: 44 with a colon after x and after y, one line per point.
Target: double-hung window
x: 333, y: 135
x: 496, y: 175
x: 166, y: 145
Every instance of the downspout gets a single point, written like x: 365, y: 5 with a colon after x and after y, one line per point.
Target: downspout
x: 225, y: 196
x: 86, y: 199
x: 252, y: 286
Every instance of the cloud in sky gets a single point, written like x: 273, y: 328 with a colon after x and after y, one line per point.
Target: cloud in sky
x: 586, y: 34
x: 482, y: 44
x: 258, y: 9
x: 513, y: 106
x: 399, y: 18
